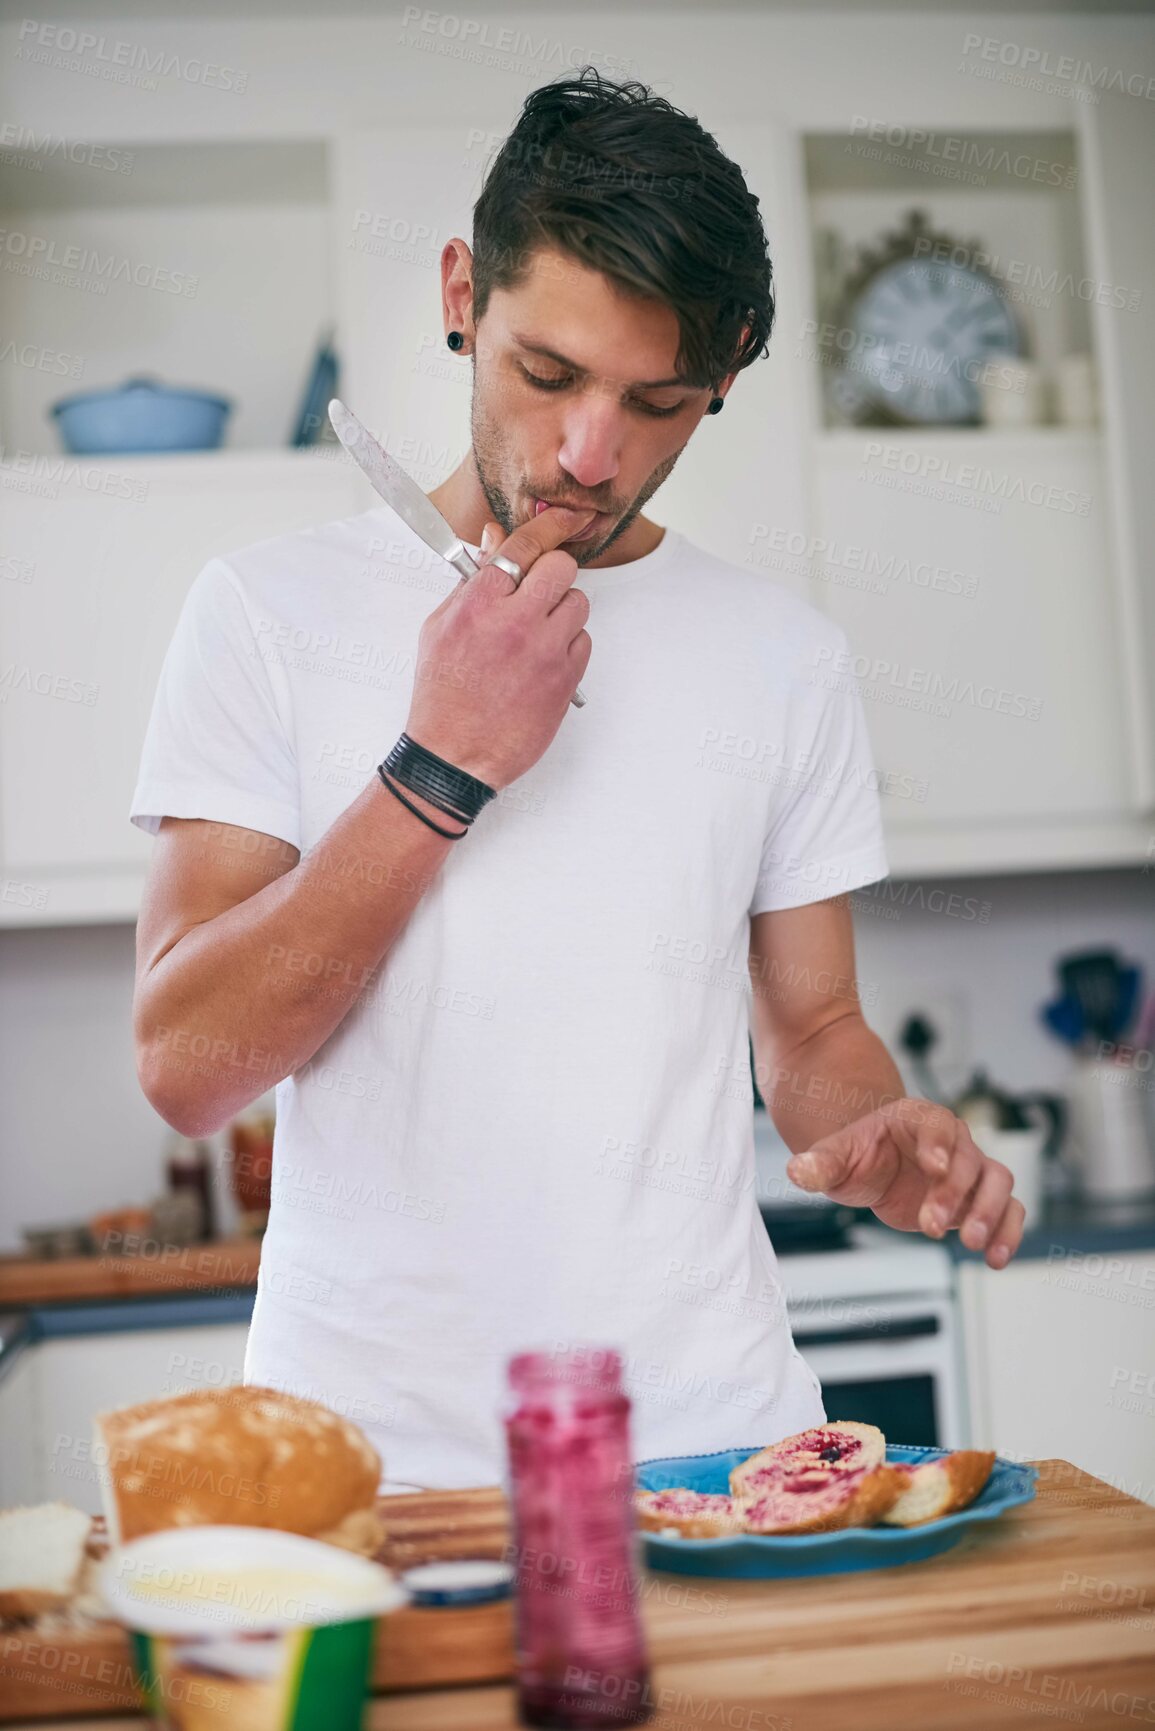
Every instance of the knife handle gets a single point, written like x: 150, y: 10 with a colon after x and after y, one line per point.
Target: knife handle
x: 466, y: 565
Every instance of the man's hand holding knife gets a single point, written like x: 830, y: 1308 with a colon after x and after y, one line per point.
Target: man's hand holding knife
x: 499, y: 660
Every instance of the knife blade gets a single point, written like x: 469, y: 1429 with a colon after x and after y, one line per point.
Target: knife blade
x: 399, y: 490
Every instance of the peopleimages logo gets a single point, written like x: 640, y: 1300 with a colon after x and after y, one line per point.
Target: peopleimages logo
x: 949, y: 149
x: 1039, y: 63
x: 815, y: 553
x: 67, y: 49
x: 924, y: 367
x: 40, y: 255
x: 472, y: 38
x: 41, y: 360
x: 15, y: 677
x: 895, y: 896
x: 23, y: 894
x: 944, y: 471
x: 1014, y: 273
x: 888, y: 681
x: 36, y: 149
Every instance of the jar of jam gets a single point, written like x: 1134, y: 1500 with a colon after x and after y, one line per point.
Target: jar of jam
x: 581, y: 1653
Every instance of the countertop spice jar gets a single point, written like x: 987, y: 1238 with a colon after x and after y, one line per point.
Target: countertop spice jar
x: 581, y: 1653
x: 189, y: 1170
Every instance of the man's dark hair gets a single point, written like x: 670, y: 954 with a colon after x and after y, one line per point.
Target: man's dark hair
x: 633, y: 187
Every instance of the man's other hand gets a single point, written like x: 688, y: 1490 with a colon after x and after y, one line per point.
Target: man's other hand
x: 918, y: 1167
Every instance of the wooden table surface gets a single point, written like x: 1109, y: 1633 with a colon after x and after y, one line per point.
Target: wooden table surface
x: 1044, y: 1616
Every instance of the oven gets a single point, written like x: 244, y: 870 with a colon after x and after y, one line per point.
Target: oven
x: 887, y: 1361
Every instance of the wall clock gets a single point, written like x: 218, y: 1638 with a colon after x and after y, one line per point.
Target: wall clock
x: 915, y: 331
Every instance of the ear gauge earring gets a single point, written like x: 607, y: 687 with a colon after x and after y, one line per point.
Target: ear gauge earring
x: 455, y: 339
x: 715, y: 405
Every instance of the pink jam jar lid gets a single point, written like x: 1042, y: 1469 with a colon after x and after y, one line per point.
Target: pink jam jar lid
x: 573, y: 1381
x: 597, y: 1369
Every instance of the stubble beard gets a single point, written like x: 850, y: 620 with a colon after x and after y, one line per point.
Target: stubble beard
x: 488, y: 455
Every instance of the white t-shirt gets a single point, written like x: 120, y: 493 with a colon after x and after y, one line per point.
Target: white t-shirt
x: 534, y: 1124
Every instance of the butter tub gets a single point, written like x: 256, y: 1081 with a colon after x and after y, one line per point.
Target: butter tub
x: 249, y: 1629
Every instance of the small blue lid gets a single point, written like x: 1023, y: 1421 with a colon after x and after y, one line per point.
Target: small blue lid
x: 464, y: 1581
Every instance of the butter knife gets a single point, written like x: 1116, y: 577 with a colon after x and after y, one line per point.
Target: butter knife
x: 386, y: 476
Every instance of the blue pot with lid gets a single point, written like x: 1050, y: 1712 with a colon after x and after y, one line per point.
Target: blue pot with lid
x: 141, y: 415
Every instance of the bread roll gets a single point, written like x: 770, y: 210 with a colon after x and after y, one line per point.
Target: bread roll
x: 240, y: 1456
x: 833, y: 1475
x: 939, y: 1487
x: 816, y: 1502
x: 693, y: 1514
x: 839, y: 1447
x: 41, y: 1557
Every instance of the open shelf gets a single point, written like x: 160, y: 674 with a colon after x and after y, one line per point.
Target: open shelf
x: 205, y: 265
x: 1003, y: 203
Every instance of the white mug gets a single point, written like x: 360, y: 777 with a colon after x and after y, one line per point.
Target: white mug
x: 1076, y: 391
x: 1013, y: 393
x: 1022, y: 1152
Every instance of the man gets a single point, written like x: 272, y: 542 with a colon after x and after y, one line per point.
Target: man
x: 514, y: 1102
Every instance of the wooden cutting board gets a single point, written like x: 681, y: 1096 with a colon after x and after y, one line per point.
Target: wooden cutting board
x: 47, y: 1671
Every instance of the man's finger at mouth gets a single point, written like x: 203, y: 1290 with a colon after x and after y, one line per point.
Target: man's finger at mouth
x: 529, y: 542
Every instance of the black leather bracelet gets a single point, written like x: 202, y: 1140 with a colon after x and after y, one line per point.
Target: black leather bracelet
x: 453, y: 834
x: 452, y: 790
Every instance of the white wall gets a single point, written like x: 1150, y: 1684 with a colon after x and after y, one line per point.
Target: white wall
x: 78, y: 1136
x: 992, y: 972
x: 313, y: 74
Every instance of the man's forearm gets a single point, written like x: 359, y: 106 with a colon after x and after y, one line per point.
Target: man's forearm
x: 837, y: 1075
x: 246, y: 998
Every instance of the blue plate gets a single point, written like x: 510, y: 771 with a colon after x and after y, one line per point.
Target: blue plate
x: 750, y: 1555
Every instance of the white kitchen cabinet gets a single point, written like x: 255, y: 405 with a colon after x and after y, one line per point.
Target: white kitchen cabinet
x: 1000, y: 615
x: 100, y: 568
x: 1060, y: 1355
x: 984, y: 642
x: 20, y: 1454
x: 59, y: 1385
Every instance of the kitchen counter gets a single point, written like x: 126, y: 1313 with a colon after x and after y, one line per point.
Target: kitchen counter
x: 1087, y: 1228
x: 230, y: 1265
x: 1049, y: 1611
x: 227, y: 1264
x: 1090, y: 1228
